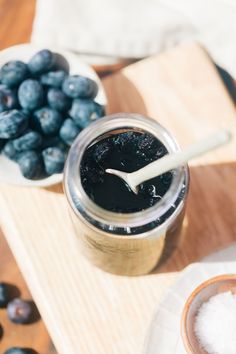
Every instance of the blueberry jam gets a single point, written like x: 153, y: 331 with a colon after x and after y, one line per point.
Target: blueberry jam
x: 126, y: 151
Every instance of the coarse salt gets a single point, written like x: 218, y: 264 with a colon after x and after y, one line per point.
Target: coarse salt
x: 215, y: 324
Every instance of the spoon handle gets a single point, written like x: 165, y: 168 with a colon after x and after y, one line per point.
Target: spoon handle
x: 169, y: 162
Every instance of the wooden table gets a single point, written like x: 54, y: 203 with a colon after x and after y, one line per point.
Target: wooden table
x: 16, y: 18
x: 34, y: 335
x: 86, y: 310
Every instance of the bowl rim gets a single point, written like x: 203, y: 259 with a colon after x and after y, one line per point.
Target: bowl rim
x: 188, y: 303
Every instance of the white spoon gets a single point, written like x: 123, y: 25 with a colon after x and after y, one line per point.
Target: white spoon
x: 171, y: 161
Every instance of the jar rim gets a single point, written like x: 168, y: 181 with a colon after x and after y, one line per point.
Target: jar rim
x: 78, y: 198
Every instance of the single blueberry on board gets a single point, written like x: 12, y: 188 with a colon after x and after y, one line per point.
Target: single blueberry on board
x: 19, y: 311
x: 69, y: 131
x: 12, y: 124
x: 30, y: 163
x: 47, y: 120
x: 85, y: 112
x: 10, y: 151
x: 77, y: 86
x: 31, y: 94
x: 17, y: 350
x: 41, y: 62
x: 58, y: 100
x: 8, y: 98
x: 4, y: 295
x: 54, y: 160
x: 13, y: 73
x: 53, y: 78
x: 28, y: 141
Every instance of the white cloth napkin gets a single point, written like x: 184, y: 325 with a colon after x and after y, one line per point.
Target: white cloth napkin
x: 137, y: 28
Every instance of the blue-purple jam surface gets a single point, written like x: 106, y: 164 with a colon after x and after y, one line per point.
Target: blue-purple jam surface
x: 127, y: 151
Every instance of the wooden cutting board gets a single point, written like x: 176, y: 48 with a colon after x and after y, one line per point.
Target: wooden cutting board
x: 86, y: 310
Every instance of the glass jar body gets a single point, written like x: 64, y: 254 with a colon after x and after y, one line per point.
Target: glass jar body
x: 128, y: 244
x: 127, y: 256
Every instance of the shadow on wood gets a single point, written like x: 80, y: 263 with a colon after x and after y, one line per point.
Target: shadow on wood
x: 33, y: 335
x: 57, y: 188
x: 204, y: 232
x: 119, y: 86
x: 13, y: 291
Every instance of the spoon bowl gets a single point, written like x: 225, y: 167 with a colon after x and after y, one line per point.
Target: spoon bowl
x: 125, y: 177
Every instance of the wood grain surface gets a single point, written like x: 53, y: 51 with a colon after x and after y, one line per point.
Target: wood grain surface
x: 86, y: 310
x: 16, y: 17
x: 28, y: 336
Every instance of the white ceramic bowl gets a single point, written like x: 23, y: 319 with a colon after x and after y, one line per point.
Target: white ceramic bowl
x: 9, y: 170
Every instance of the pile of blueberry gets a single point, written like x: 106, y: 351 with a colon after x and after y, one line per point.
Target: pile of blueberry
x: 18, y: 311
x: 42, y: 110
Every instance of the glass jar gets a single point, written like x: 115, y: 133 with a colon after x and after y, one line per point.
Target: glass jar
x: 131, y: 243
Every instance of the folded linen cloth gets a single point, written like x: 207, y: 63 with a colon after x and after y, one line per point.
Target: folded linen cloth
x: 114, y: 29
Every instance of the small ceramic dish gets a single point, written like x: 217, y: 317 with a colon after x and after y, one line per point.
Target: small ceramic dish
x: 200, y: 295
x: 9, y: 170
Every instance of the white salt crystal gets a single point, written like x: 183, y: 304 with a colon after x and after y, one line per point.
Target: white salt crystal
x: 215, y: 324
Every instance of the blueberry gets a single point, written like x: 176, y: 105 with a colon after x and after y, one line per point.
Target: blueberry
x: 19, y: 311
x: 4, y: 295
x: 69, y: 131
x: 13, y: 73
x: 47, y: 120
x: 41, y: 62
x: 58, y: 100
x: 28, y: 141
x: 12, y: 124
x: 85, y: 112
x: 54, y: 160
x: 30, y: 164
x: 10, y: 151
x: 26, y: 112
x: 53, y: 78
x: 53, y: 141
x: 30, y: 94
x: 16, y: 350
x: 79, y: 86
x: 60, y: 63
x: 8, y: 99
x: 2, y: 143
x: 102, y: 151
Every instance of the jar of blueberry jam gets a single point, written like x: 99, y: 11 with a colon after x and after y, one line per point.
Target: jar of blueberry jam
x: 119, y: 231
